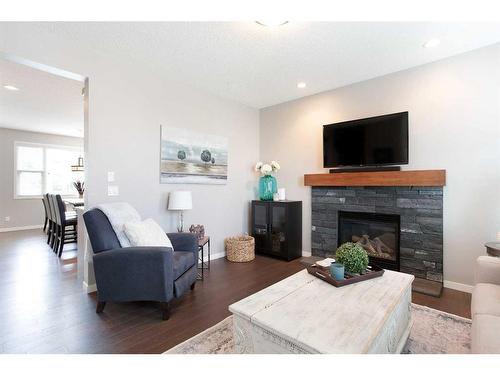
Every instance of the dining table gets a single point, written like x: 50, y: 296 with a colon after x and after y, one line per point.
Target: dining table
x: 75, y: 202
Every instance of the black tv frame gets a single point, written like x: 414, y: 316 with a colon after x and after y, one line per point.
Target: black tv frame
x: 369, y: 167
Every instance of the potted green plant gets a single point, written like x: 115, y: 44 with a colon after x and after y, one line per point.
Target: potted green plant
x: 353, y: 257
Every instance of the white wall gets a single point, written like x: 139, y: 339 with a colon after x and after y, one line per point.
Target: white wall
x: 454, y: 108
x: 22, y: 212
x: 127, y: 104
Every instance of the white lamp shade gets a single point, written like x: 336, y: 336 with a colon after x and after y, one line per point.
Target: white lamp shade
x: 180, y: 200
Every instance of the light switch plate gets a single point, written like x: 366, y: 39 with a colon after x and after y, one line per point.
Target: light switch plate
x: 113, y: 191
x: 111, y: 176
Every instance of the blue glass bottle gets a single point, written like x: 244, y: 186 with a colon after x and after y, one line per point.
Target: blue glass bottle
x: 267, y: 188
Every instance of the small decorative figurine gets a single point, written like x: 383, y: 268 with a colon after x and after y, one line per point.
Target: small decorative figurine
x: 198, y: 229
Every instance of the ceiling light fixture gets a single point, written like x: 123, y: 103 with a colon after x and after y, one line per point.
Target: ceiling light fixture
x: 10, y: 87
x: 271, y: 23
x: 301, y: 85
x: 432, y: 43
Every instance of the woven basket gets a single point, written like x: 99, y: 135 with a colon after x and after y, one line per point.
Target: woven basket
x: 240, y: 248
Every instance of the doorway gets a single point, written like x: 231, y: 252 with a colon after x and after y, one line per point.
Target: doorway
x: 43, y: 126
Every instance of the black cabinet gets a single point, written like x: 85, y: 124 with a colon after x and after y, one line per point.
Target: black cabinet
x: 277, y: 228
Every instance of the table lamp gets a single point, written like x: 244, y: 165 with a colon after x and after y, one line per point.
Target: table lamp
x: 180, y: 201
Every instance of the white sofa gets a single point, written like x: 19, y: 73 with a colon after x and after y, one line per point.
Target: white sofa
x: 485, y: 308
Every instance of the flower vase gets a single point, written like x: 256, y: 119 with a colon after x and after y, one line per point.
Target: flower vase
x: 267, y: 188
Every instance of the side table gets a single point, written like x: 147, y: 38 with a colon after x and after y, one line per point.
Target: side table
x: 493, y: 249
x: 202, y: 265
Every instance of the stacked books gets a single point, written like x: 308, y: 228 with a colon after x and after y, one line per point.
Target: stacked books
x: 325, y: 263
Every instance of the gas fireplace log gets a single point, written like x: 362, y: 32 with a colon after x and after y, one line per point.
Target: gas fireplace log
x: 366, y: 243
x: 380, y: 246
x: 387, y: 238
x: 375, y: 247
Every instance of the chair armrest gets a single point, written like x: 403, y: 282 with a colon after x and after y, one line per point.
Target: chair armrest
x: 184, y: 242
x: 135, y: 274
x: 487, y: 270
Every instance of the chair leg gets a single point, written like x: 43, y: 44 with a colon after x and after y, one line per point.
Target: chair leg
x: 45, y: 224
x: 100, y: 307
x: 58, y: 239
x: 49, y: 232
x: 55, y: 246
x: 165, y: 310
x: 54, y: 237
x: 52, y: 231
x: 63, y: 238
x: 55, y: 234
x: 192, y: 285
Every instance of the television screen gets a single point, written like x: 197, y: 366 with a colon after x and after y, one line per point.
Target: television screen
x: 374, y: 141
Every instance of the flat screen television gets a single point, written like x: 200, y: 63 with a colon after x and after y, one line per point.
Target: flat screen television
x: 374, y: 141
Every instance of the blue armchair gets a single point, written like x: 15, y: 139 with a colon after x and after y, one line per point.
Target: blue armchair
x: 140, y: 273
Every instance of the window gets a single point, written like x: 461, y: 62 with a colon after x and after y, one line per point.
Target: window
x: 44, y: 169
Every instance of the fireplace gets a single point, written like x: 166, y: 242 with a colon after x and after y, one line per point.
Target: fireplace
x: 420, y: 213
x: 377, y: 233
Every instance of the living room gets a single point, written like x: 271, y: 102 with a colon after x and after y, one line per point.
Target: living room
x: 248, y: 178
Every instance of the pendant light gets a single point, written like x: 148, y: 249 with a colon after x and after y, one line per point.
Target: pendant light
x: 79, y: 166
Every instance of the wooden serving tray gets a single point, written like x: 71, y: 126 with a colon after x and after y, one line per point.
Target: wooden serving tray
x: 324, y: 274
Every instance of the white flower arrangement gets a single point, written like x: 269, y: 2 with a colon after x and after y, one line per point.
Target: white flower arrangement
x: 258, y: 166
x: 267, y: 169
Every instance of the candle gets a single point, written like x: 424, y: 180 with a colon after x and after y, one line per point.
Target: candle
x: 282, y: 196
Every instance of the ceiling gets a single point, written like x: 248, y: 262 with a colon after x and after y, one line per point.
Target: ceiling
x: 261, y: 66
x: 45, y: 102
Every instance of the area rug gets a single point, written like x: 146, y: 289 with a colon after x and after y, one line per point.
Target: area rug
x: 433, y: 332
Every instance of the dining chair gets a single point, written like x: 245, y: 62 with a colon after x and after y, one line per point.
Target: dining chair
x: 51, y: 238
x: 64, y: 220
x: 49, y: 215
x: 46, y: 209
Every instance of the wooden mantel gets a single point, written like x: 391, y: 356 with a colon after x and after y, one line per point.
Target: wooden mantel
x: 393, y: 178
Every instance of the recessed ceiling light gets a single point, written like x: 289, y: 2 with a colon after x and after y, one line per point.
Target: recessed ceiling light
x: 432, y: 43
x: 272, y: 22
x: 10, y: 87
x: 301, y: 85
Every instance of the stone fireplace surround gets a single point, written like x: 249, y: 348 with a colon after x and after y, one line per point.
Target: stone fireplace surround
x: 421, y: 221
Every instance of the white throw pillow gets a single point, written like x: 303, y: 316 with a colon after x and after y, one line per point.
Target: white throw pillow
x: 146, y: 233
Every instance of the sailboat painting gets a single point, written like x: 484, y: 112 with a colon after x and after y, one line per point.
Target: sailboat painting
x: 190, y: 157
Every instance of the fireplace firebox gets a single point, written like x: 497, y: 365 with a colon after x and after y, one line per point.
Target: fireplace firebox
x: 377, y: 233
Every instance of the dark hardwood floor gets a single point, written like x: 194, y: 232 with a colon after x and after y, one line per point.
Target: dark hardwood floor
x: 43, y: 308
x: 451, y: 301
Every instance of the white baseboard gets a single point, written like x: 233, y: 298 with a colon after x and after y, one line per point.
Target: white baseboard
x: 14, y: 229
x: 223, y: 254
x: 89, y: 288
x: 214, y: 256
x: 458, y: 286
